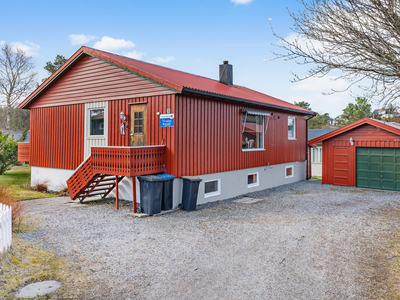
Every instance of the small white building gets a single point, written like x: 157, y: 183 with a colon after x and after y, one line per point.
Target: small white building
x: 316, y: 153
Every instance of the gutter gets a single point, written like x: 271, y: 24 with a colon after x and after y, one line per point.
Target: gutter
x: 203, y: 93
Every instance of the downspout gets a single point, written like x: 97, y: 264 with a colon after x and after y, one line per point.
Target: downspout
x: 307, y: 147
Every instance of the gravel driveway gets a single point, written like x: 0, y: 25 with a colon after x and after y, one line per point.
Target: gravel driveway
x: 300, y: 241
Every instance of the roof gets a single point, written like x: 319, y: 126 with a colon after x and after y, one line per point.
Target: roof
x: 388, y: 126
x: 314, y: 133
x: 175, y: 80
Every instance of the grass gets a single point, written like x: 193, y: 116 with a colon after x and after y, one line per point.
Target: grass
x: 28, y: 262
x: 18, y: 179
x: 317, y: 177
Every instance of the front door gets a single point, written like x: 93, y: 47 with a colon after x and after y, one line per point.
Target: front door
x: 139, y: 125
x: 341, y: 166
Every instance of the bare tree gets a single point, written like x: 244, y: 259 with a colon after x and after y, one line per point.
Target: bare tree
x: 360, y: 38
x: 17, y: 78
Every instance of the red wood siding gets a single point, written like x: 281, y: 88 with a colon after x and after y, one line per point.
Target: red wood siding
x: 92, y: 80
x: 363, y: 136
x: 155, y: 134
x: 56, y: 137
x: 209, y: 137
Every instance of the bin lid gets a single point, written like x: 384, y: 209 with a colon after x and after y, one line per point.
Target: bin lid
x: 150, y: 178
x: 191, y: 178
x: 166, y: 176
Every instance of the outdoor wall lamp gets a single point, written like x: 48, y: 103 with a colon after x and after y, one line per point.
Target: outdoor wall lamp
x: 123, y: 124
x: 351, y: 141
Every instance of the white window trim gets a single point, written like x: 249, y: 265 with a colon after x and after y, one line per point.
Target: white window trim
x: 288, y: 167
x: 212, y: 194
x: 253, y: 149
x: 89, y: 136
x: 256, y: 183
x: 263, y: 114
x: 294, y: 128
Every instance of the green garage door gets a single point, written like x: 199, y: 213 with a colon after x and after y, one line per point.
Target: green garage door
x: 378, y: 168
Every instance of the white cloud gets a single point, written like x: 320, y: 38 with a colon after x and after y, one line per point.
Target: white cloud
x: 2, y: 43
x: 162, y: 60
x: 241, y: 1
x: 311, y: 90
x: 323, y: 84
x: 29, y: 48
x: 79, y: 39
x: 110, y: 44
x: 303, y: 43
x: 134, y: 54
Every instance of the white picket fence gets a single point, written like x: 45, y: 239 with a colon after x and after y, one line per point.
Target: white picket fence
x: 5, y: 227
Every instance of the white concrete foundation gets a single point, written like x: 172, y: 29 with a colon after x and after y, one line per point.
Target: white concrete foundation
x: 233, y: 183
x: 56, y: 179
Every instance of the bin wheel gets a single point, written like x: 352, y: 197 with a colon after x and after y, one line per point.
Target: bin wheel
x: 138, y: 209
x: 180, y: 206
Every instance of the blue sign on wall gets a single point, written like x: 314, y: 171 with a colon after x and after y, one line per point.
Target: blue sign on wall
x: 167, y: 120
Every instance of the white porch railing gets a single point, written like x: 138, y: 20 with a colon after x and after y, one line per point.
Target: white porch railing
x: 5, y: 227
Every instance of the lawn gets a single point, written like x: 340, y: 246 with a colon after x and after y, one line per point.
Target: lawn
x: 18, y: 179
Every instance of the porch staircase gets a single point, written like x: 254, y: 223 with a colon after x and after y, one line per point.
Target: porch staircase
x: 86, y: 183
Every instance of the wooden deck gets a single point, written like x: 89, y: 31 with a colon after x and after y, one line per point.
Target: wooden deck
x: 128, y: 161
x: 23, y: 152
x: 104, y: 162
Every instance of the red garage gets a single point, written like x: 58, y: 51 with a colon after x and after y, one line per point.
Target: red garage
x: 365, y: 154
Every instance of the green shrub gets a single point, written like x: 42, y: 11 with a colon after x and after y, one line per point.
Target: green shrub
x: 9, y: 151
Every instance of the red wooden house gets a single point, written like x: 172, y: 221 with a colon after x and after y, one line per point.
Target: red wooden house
x: 103, y: 115
x: 365, y: 153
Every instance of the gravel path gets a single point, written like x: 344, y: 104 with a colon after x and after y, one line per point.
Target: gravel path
x: 300, y: 241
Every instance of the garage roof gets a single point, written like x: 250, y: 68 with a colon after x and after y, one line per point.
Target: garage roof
x: 388, y: 126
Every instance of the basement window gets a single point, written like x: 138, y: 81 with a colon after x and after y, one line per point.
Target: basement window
x: 212, y: 188
x: 96, y: 119
x: 252, y: 180
x: 291, y: 128
x: 289, y: 171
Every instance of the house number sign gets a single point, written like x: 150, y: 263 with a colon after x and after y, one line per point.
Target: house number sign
x: 167, y: 120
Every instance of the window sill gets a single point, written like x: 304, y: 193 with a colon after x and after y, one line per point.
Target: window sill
x: 96, y: 137
x: 292, y: 139
x: 212, y: 194
x: 256, y: 149
x: 252, y: 185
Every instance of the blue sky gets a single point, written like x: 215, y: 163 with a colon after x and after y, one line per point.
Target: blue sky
x: 193, y: 36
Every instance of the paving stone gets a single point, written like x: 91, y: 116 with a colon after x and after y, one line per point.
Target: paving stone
x: 247, y: 200
x: 38, y: 289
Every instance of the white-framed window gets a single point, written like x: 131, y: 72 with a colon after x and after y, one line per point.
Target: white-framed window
x: 289, y: 171
x: 253, y: 180
x: 317, y: 155
x: 291, y: 128
x: 96, y: 122
x: 212, y: 188
x: 253, y: 130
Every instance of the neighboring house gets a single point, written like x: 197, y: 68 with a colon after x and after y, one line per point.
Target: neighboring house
x: 316, y: 151
x: 383, y: 113
x: 365, y: 153
x: 104, y: 118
